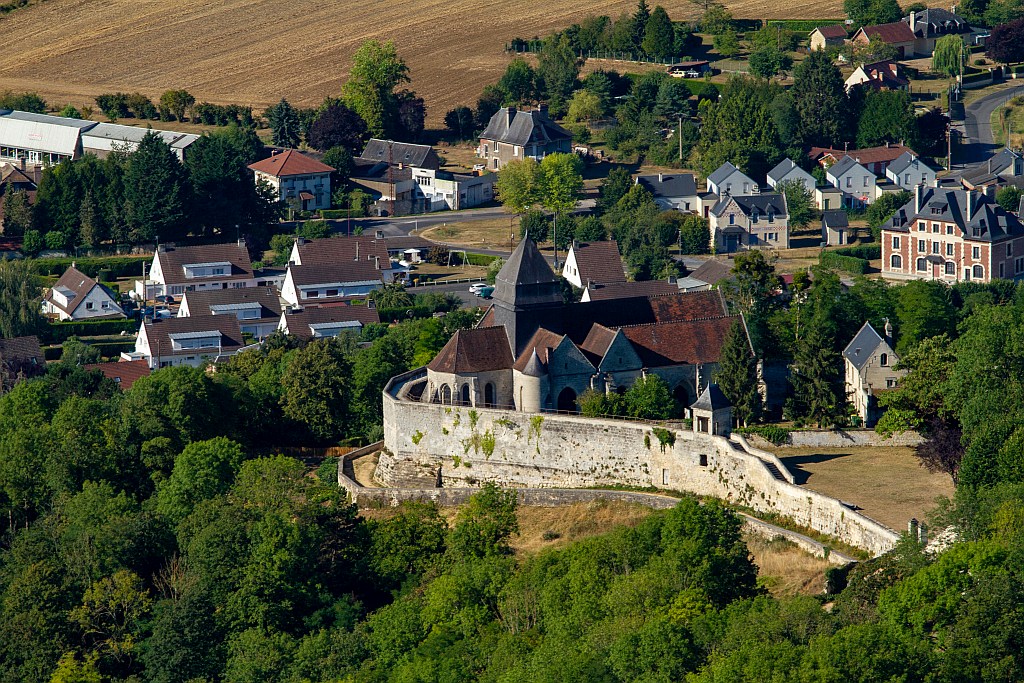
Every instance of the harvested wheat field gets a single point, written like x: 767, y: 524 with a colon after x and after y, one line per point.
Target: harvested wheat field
x: 254, y: 52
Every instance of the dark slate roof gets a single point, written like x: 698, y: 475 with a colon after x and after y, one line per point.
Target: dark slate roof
x: 526, y: 278
x: 404, y: 242
x: 835, y: 218
x: 200, y: 302
x: 602, y: 291
x: 173, y: 260
x: 680, y: 342
x: 669, y: 185
x: 711, y: 271
x: 124, y: 373
x: 481, y: 349
x: 598, y: 261
x: 902, y: 162
x: 935, y: 22
x: 987, y: 222
x: 863, y: 344
x: 842, y: 166
x: 405, y: 153
x: 784, y: 167
x: 524, y: 128
x: 722, y: 172
x: 533, y: 367
x: 711, y: 399
x: 774, y: 203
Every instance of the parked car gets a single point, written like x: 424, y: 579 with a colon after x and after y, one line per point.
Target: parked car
x: 485, y: 292
x: 476, y: 287
x: 165, y: 299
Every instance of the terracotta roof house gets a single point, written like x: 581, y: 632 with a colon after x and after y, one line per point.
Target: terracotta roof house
x: 76, y: 296
x: 711, y: 272
x: 875, y: 159
x: 592, y: 262
x: 400, y: 154
x: 828, y: 36
x: 193, y: 341
x: 597, y: 291
x: 258, y: 309
x: 952, y: 235
x: 513, y: 134
x: 885, y: 75
x: 898, y: 34
x: 124, y: 373
x: 672, y: 190
x: 176, y: 270
x: 300, y: 181
x: 20, y: 358
x: 534, y: 352
x: 869, y: 359
x: 327, y: 320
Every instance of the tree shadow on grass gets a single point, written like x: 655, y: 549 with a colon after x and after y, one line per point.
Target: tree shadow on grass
x: 795, y: 463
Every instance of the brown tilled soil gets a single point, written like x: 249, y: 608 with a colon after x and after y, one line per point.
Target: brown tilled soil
x: 254, y: 52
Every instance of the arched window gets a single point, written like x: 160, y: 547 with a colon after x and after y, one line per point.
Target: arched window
x: 567, y: 401
x: 896, y: 261
x: 446, y: 395
x: 884, y: 360
x: 950, y: 268
x: 922, y: 264
x: 464, y: 399
x: 489, y: 395
x: 979, y: 273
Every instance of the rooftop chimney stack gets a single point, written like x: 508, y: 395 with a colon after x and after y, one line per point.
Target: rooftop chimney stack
x: 913, y: 21
x: 510, y: 115
x: 970, y: 204
x: 918, y: 197
x: 888, y: 332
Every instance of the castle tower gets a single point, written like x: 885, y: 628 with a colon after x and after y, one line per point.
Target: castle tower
x: 712, y: 412
x: 525, y: 285
x: 531, y: 385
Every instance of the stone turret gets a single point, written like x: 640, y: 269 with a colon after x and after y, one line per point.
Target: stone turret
x: 531, y: 385
x: 712, y: 412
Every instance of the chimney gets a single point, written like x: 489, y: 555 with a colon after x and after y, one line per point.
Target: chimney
x: 543, y: 108
x: 888, y: 332
x: 913, y: 21
x: 510, y: 114
x: 357, y: 250
x: 661, y: 178
x: 241, y: 242
x: 161, y: 248
x: 970, y: 204
x: 989, y: 191
x: 21, y: 164
x: 918, y: 197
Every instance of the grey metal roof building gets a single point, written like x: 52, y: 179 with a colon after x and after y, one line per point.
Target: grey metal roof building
x: 40, y: 138
x: 404, y: 153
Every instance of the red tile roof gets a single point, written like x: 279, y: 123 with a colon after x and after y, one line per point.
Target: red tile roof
x: 289, y: 163
x: 869, y: 155
x: 896, y: 32
x: 597, y: 342
x: 480, y: 349
x: 688, y: 305
x: 834, y: 31
x: 124, y: 373
x: 683, y: 342
x: 542, y: 340
x: 333, y: 249
x: 173, y: 260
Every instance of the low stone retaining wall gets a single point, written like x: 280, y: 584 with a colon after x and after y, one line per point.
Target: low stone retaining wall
x: 392, y: 497
x: 838, y: 438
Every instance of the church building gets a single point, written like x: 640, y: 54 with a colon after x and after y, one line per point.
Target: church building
x: 533, y: 352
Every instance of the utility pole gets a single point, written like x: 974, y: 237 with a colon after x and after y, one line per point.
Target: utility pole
x: 391, y: 178
x: 680, y: 134
x: 949, y: 146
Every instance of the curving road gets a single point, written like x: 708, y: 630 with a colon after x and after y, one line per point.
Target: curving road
x: 979, y: 144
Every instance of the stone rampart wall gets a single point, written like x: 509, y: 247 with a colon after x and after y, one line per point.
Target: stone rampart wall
x: 463, y: 447
x: 839, y: 438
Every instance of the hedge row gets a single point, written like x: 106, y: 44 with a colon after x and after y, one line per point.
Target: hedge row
x: 106, y: 349
x: 868, y: 252
x: 803, y: 24
x: 771, y: 433
x: 480, y: 259
x: 56, y: 333
x: 850, y: 264
x: 390, y: 315
x: 113, y: 266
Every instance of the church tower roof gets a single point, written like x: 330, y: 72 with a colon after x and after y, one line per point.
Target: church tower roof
x: 526, y: 279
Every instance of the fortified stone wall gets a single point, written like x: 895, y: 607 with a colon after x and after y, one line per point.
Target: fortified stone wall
x: 829, y: 438
x: 457, y: 446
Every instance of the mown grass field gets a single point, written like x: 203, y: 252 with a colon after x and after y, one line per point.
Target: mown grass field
x: 253, y: 52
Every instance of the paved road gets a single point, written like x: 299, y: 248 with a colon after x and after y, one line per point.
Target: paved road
x: 980, y: 145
